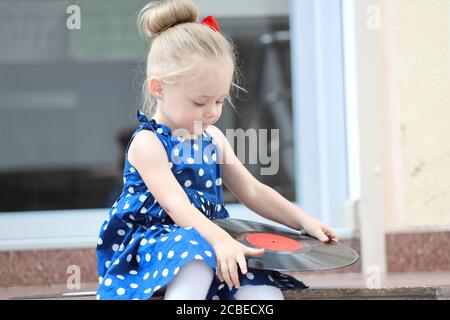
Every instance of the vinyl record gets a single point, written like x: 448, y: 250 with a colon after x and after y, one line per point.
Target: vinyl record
x: 287, y: 250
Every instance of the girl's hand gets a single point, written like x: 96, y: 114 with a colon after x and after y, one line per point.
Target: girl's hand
x: 319, y: 230
x: 231, y: 253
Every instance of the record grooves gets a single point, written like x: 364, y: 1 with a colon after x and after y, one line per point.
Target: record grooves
x: 287, y: 250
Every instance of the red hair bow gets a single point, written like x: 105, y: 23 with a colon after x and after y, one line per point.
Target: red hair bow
x: 210, y: 21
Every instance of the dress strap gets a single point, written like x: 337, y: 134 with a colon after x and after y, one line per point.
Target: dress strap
x: 207, y: 136
x: 146, y: 124
x: 158, y: 128
x: 141, y: 117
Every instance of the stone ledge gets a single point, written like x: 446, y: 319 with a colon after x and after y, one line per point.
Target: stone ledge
x: 425, y: 293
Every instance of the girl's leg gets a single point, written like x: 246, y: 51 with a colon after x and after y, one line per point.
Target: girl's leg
x: 192, y: 282
x: 258, y: 292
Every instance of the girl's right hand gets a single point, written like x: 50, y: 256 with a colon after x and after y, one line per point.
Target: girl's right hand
x: 229, y: 253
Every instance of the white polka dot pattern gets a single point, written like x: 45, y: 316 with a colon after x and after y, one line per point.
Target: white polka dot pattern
x: 140, y: 249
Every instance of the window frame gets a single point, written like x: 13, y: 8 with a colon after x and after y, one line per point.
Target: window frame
x: 320, y: 110
x: 322, y: 148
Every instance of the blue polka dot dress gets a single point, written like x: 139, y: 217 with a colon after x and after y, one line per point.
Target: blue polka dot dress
x: 140, y: 248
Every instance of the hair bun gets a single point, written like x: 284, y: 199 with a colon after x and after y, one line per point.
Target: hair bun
x: 156, y: 17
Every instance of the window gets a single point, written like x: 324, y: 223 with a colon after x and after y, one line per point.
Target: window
x: 69, y: 97
x: 68, y: 101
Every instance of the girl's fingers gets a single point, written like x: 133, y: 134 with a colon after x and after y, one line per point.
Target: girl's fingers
x: 226, y: 273
x: 322, y: 236
x: 334, y: 238
x: 232, y: 268
x: 253, y: 251
x: 242, y: 263
x: 218, y: 272
x: 331, y: 234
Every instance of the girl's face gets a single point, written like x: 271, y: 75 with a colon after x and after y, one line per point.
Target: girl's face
x: 196, y: 104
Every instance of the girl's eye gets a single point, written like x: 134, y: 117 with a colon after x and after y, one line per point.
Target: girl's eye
x: 199, y: 104
x: 219, y: 102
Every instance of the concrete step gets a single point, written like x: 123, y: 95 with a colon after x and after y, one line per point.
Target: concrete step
x: 424, y: 293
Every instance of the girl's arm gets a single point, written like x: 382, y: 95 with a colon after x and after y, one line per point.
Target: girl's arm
x: 262, y: 199
x: 148, y: 157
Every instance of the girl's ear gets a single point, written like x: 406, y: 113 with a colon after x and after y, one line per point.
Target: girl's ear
x: 155, y: 87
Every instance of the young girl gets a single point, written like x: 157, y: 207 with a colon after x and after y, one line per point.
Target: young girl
x: 160, y: 233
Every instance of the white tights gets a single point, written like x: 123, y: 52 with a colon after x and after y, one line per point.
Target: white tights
x: 194, y: 279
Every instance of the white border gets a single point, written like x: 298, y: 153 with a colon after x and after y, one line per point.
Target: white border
x: 351, y: 100
x: 68, y: 229
x: 50, y: 229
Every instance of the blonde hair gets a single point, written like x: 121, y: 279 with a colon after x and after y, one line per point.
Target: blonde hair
x: 177, y: 37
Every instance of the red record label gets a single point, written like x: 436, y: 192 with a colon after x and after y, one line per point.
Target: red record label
x: 273, y: 242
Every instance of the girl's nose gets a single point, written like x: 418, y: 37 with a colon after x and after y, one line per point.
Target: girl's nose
x: 212, y: 111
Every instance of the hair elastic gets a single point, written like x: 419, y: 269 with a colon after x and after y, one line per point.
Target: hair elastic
x: 210, y: 21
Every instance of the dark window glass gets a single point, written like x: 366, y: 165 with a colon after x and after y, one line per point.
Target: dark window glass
x: 68, y: 99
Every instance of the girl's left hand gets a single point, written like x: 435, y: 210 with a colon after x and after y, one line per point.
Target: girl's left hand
x: 319, y: 230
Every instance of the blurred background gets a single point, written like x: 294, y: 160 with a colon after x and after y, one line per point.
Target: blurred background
x: 76, y: 91
x: 359, y: 90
